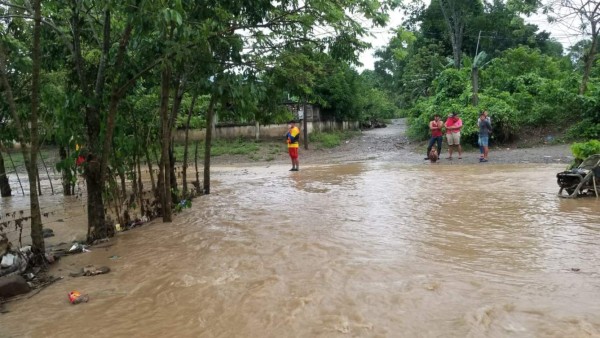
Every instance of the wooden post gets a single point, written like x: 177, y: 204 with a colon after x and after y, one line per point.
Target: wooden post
x: 305, y: 127
x: 16, y: 173
x: 47, y: 173
x: 39, y: 182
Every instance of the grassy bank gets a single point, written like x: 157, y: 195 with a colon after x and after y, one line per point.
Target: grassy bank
x: 331, y: 139
x: 253, y: 150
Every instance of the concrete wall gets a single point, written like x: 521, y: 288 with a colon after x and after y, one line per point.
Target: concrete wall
x: 272, y: 131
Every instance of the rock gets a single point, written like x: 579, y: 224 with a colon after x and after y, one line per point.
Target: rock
x: 90, y: 270
x: 4, y: 245
x: 50, y: 258
x: 13, y: 286
x: 18, y: 264
x: 47, y: 232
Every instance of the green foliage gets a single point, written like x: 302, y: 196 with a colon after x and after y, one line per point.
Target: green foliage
x: 450, y: 84
x: 330, y: 139
x: 583, y: 150
x: 183, y: 204
x: 585, y: 129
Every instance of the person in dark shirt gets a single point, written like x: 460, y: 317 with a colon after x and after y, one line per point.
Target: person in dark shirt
x: 485, y: 129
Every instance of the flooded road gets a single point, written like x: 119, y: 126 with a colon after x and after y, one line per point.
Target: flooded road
x: 352, y: 250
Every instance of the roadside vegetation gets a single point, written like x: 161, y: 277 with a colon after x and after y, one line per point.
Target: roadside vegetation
x: 486, y: 57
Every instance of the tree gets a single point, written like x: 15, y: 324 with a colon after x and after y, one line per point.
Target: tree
x: 28, y: 136
x: 588, y: 14
x: 456, y: 15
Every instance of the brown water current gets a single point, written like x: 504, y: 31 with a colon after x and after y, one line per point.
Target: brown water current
x: 352, y: 250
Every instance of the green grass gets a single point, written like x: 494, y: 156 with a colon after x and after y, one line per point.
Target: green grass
x: 221, y: 147
x: 331, y: 139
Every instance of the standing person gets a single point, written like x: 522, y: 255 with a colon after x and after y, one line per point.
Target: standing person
x: 453, y: 126
x: 435, y: 126
x: 292, y: 141
x: 487, y: 117
x: 485, y: 129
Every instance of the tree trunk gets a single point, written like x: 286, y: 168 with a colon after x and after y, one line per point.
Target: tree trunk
x: 179, y: 91
x: 164, y: 176
x: 92, y: 168
x: 257, y: 130
x: 121, y: 173
x: 173, y: 174
x: 99, y: 151
x: 208, y: 143
x: 454, y: 20
x: 150, y: 169
x: 97, y: 226
x: 589, y: 62
x: 5, y: 190
x: 196, y: 167
x: 29, y: 151
x: 37, y: 238
x: 140, y: 186
x: 134, y: 174
x: 185, y: 146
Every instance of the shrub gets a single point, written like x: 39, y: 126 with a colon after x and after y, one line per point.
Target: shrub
x: 584, y: 130
x: 583, y: 150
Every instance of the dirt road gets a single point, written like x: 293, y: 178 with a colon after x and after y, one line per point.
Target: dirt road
x: 392, y: 144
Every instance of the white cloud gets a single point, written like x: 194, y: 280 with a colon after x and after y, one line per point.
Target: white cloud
x: 380, y: 38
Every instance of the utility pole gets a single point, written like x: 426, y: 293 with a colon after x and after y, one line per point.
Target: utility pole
x: 305, y: 126
x: 475, y: 75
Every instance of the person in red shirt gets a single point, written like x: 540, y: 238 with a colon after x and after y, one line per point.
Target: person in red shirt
x: 453, y: 126
x: 435, y: 126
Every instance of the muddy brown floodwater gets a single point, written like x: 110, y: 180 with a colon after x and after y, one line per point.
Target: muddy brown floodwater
x: 353, y: 250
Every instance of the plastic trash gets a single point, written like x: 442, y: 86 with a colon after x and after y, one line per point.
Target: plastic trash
x: 118, y: 227
x: 75, y: 297
x: 7, y: 260
x: 76, y: 248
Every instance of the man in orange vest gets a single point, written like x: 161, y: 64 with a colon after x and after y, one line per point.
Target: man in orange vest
x: 292, y: 141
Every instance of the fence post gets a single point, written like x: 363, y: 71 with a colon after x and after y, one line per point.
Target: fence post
x: 47, y: 173
x: 16, y: 173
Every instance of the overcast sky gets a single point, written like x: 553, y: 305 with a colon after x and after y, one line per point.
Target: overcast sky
x: 381, y: 36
